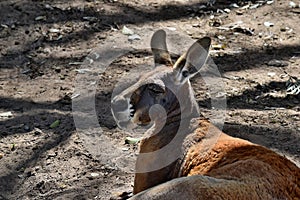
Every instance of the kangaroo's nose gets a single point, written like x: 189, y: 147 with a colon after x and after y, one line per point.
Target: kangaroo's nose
x: 119, y: 103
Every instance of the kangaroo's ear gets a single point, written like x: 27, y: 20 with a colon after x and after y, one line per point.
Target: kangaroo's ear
x: 191, y: 62
x: 159, y: 48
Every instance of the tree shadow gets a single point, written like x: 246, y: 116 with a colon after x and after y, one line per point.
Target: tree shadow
x: 259, y: 98
x: 10, y: 181
x: 104, y: 21
x: 28, y: 11
x: 267, y: 96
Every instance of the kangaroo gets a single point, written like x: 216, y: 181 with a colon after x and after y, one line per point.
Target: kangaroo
x: 232, y: 168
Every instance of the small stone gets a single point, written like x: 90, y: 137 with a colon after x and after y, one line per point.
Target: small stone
x: 20, y: 176
x: 254, y: 6
x: 47, y: 6
x: 227, y: 10
x: 125, y: 149
x: 94, y: 174
x: 277, y: 63
x: 283, y: 29
x: 52, y: 154
x: 239, y: 12
x: 268, y: 24
x: 131, y: 140
x: 171, y: 28
x: 91, y: 19
x: 221, y: 37
x: 127, y: 31
x: 292, y: 4
x: 134, y: 37
x: 234, y: 5
x: 26, y: 128
x: 39, y: 18
x: 6, y: 114
x: 54, y: 30
x: 271, y: 74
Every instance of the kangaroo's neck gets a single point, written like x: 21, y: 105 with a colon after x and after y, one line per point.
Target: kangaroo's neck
x: 162, y: 149
x: 157, y: 165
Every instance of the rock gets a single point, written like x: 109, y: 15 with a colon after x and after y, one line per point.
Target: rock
x: 39, y: 18
x: 125, y: 149
x: 6, y: 114
x: 171, y: 28
x: 131, y: 140
x: 227, y: 10
x: 94, y: 174
x: 234, y: 5
x: 26, y: 128
x: 292, y: 4
x: 268, y: 24
x: 277, y: 63
x: 54, y: 30
x: 134, y: 37
x: 51, y: 154
x: 127, y: 31
x: 271, y: 74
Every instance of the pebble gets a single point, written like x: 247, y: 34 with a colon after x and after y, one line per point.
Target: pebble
x: 6, y: 114
x: 26, y: 128
x: 292, y: 4
x: 94, y: 174
x: 125, y: 149
x: 54, y: 30
x: 234, y: 5
x: 171, y: 28
x: 277, y: 63
x: 271, y: 74
x: 227, y: 10
x: 268, y: 24
x: 127, y: 31
x: 283, y: 29
x: 134, y: 37
x: 51, y: 155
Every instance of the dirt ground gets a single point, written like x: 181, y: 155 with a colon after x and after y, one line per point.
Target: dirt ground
x: 45, y: 43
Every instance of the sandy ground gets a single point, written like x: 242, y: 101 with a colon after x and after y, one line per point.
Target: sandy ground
x: 45, y: 53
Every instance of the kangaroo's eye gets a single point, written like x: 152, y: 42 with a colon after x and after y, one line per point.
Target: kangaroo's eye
x: 185, y: 73
x: 156, y: 89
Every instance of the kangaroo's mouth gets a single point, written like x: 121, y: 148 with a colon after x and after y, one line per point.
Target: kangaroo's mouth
x: 124, y: 113
x: 144, y: 124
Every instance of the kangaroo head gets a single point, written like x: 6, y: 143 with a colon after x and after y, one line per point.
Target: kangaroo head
x: 163, y: 86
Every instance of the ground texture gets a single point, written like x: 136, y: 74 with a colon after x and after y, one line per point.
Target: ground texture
x: 43, y: 45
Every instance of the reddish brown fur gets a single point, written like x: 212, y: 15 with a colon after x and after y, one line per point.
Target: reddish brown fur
x: 249, y: 171
x: 233, y: 158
